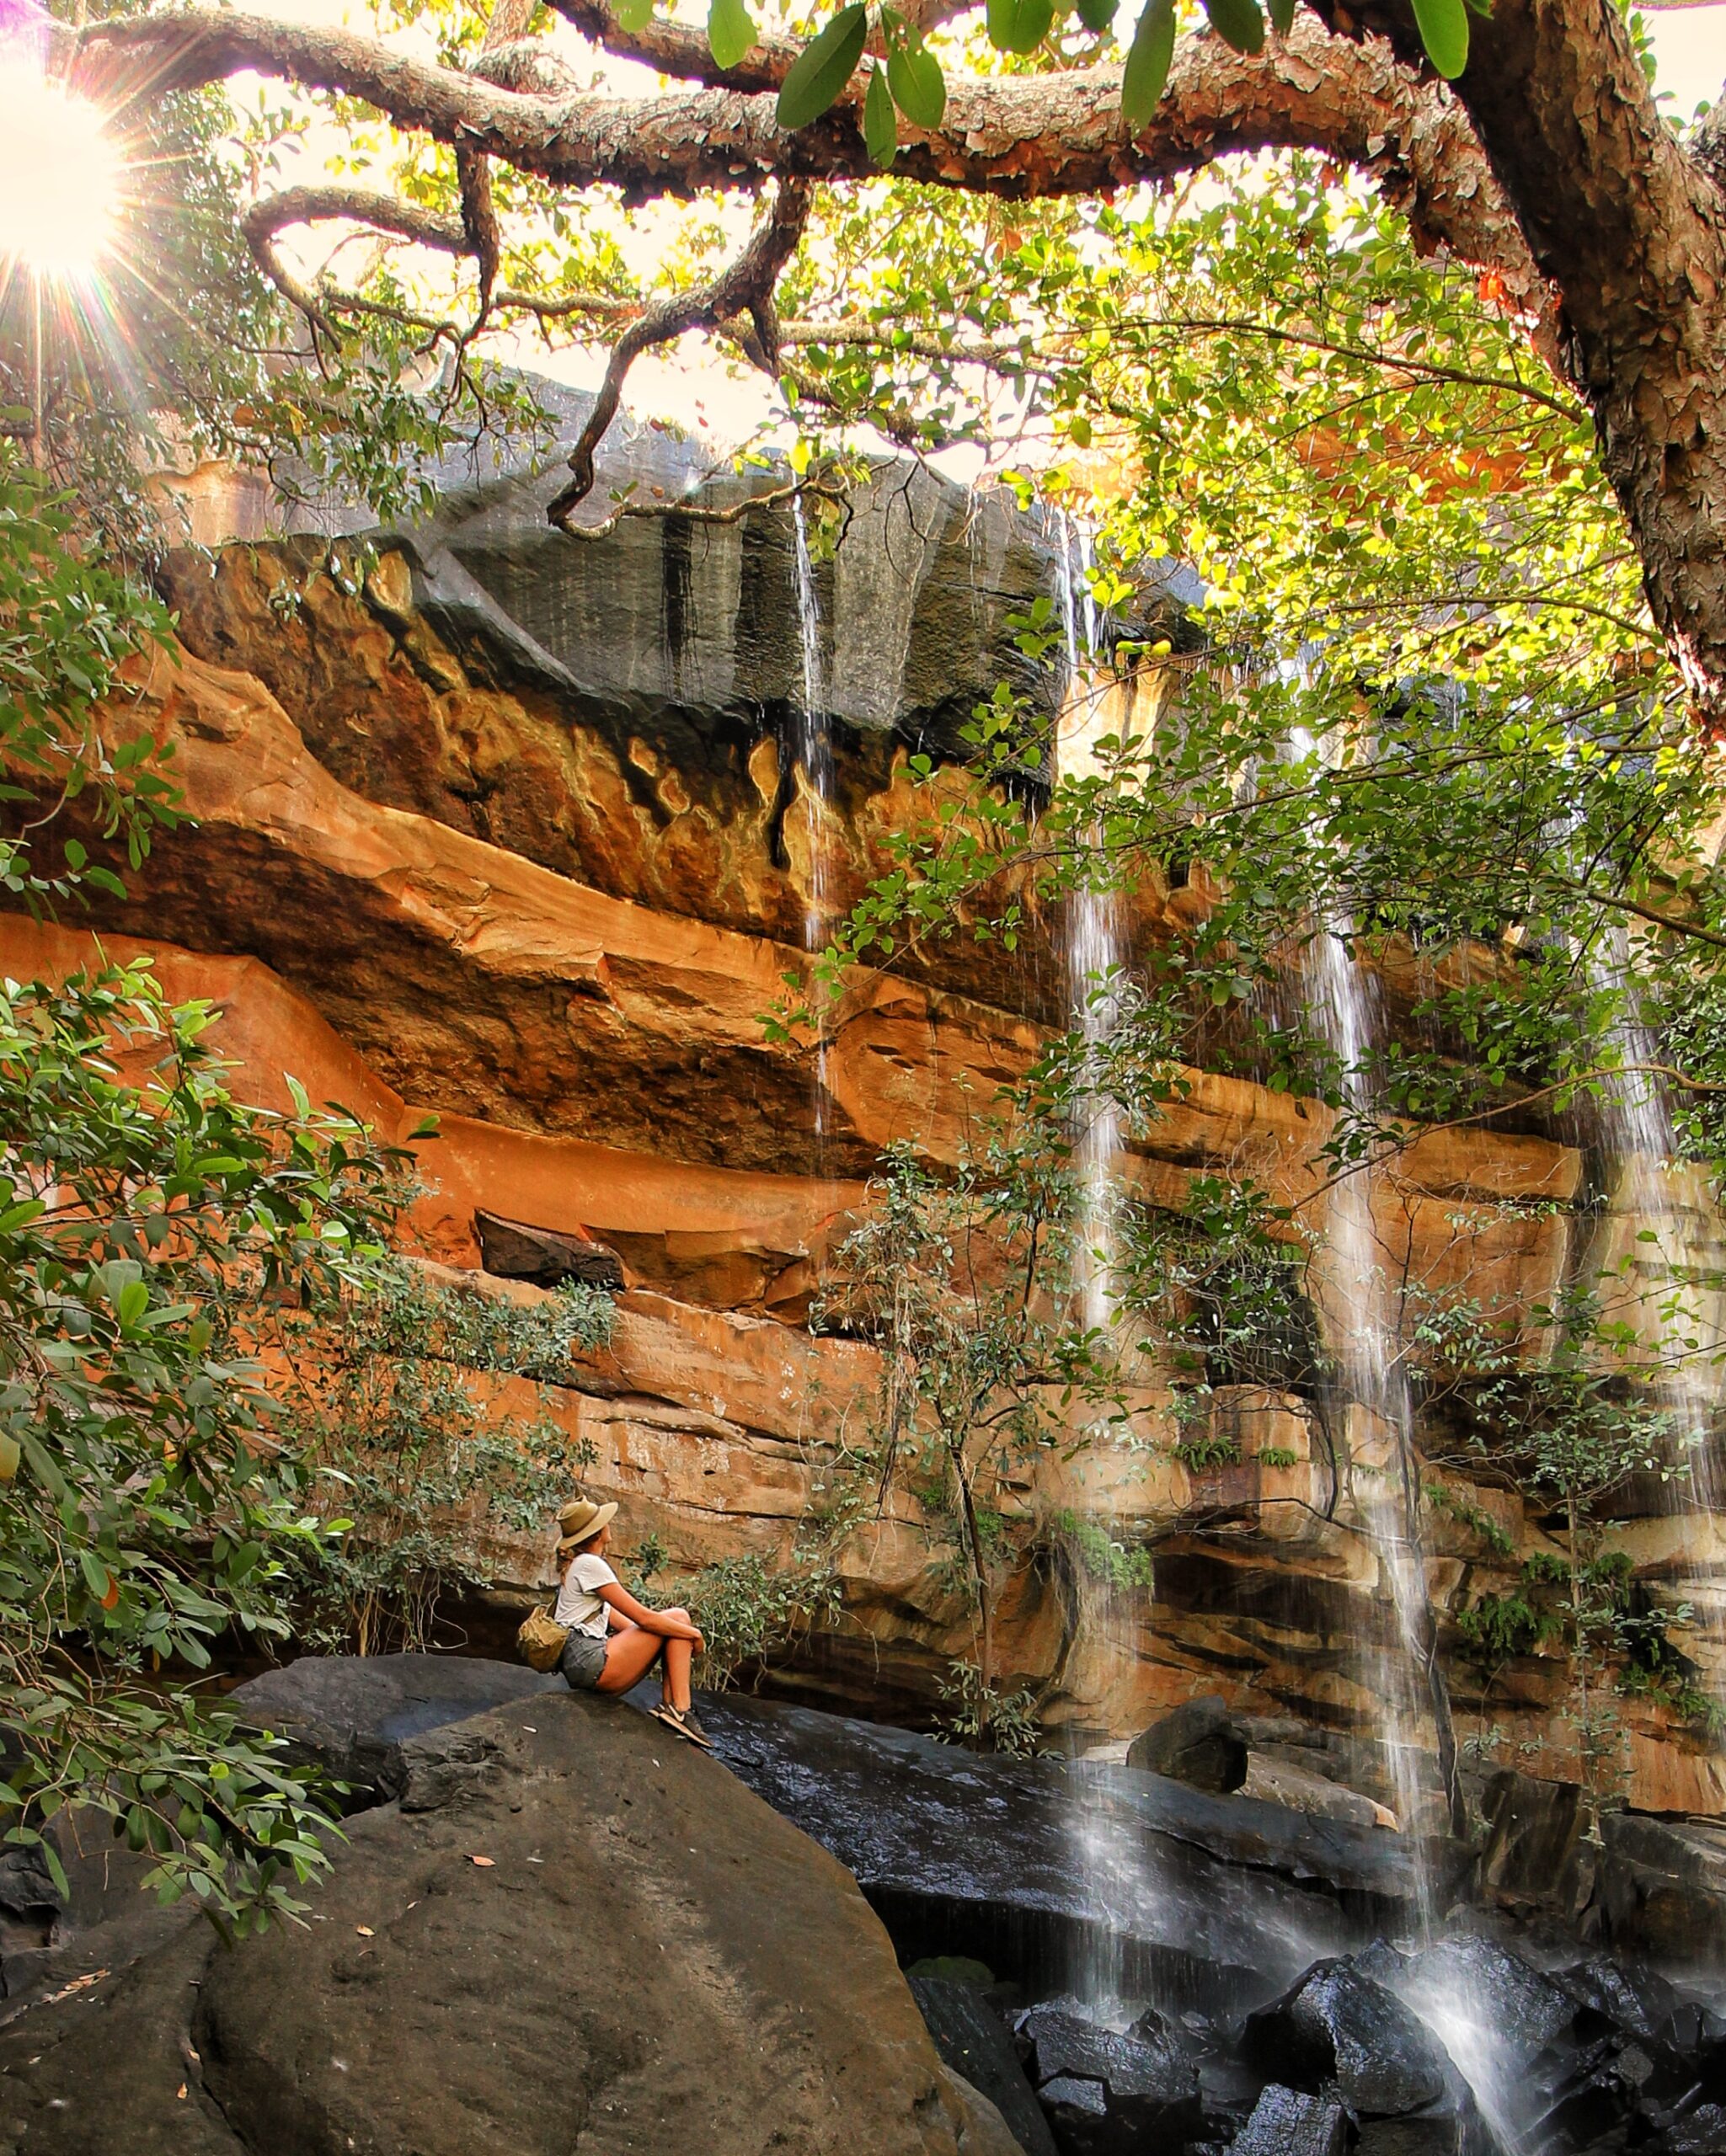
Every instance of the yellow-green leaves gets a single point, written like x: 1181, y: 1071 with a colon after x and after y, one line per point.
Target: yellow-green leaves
x: 1238, y: 23
x: 1444, y: 31
x: 880, y: 120
x: 823, y: 68
x: 1148, y: 57
x: 731, y: 31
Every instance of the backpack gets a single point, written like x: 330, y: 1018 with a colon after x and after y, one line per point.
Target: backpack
x: 540, y: 1641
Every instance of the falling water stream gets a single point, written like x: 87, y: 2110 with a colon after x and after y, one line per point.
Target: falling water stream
x: 1661, y: 1245
x: 1092, y: 936
x: 815, y: 758
x: 1384, y: 1469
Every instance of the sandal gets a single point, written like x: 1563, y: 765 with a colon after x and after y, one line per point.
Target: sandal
x: 686, y: 1726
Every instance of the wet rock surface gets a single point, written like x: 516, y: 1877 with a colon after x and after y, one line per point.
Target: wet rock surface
x: 426, y: 1981
x: 1034, y: 1865
x: 973, y: 2039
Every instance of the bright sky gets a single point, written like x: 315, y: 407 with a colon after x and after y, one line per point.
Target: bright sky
x: 1690, y: 47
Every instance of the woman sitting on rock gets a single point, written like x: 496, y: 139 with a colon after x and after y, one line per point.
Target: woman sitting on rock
x: 614, y: 1640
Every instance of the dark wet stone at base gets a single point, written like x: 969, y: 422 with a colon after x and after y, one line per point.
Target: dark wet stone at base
x: 1149, y: 2088
x: 1289, y: 2122
x: 1339, y: 2026
x: 1701, y: 2132
x: 1215, y: 1901
x: 1638, y: 2000
x: 972, y: 2039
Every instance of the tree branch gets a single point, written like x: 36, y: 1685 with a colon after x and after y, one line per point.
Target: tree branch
x: 1013, y: 137
x: 745, y: 286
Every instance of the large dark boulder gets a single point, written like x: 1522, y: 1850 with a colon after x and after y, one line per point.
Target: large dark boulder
x: 1536, y: 1860
x: 597, y: 1938
x: 1198, y: 1743
x: 1110, y: 2094
x: 351, y: 1715
x: 1663, y: 1889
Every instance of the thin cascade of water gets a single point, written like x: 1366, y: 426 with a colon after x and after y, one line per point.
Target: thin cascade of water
x: 1379, y: 1406
x: 1092, y: 937
x: 815, y: 758
x: 1400, y: 1679
x: 1092, y: 953
x: 1662, y: 1245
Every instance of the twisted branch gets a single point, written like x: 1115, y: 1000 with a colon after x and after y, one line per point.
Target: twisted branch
x: 745, y: 286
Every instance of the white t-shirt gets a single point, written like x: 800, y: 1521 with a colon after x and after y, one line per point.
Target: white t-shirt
x: 579, y: 1605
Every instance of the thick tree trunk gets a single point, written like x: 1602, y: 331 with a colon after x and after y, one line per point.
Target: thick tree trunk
x: 1630, y: 228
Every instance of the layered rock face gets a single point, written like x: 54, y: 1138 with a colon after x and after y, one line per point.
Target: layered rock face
x: 517, y: 829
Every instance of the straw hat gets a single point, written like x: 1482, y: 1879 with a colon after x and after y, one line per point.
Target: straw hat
x: 581, y: 1520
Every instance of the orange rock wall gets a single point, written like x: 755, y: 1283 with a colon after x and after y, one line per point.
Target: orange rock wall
x: 467, y: 904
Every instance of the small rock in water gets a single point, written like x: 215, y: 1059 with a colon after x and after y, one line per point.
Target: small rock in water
x: 1287, y: 2123
x: 1149, y: 2088
x: 1200, y: 1744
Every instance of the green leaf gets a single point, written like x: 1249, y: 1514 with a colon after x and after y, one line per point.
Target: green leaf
x: 134, y: 1301
x: 1098, y: 14
x: 1148, y: 59
x: 823, y: 68
x: 880, y: 121
x: 1019, y: 25
x: 1444, y: 31
x: 918, y: 86
x: 731, y: 33
x: 1282, y: 15
x: 1237, y: 23
x: 632, y: 14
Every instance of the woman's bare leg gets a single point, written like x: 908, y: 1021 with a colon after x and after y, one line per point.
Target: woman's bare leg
x: 630, y: 1654
x: 679, y: 1653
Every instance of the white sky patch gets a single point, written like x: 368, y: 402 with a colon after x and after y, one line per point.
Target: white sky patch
x: 1689, y: 53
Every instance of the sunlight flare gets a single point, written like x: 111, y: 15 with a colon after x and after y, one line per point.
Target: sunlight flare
x: 59, y: 175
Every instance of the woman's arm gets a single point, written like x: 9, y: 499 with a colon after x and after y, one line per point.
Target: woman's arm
x: 620, y: 1599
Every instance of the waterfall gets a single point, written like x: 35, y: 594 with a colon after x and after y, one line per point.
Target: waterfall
x: 1093, y: 701
x: 815, y: 758
x: 1364, y: 1330
x: 1662, y: 1240
x: 1090, y: 710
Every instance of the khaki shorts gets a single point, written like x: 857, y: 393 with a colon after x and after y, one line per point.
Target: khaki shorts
x: 582, y: 1661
